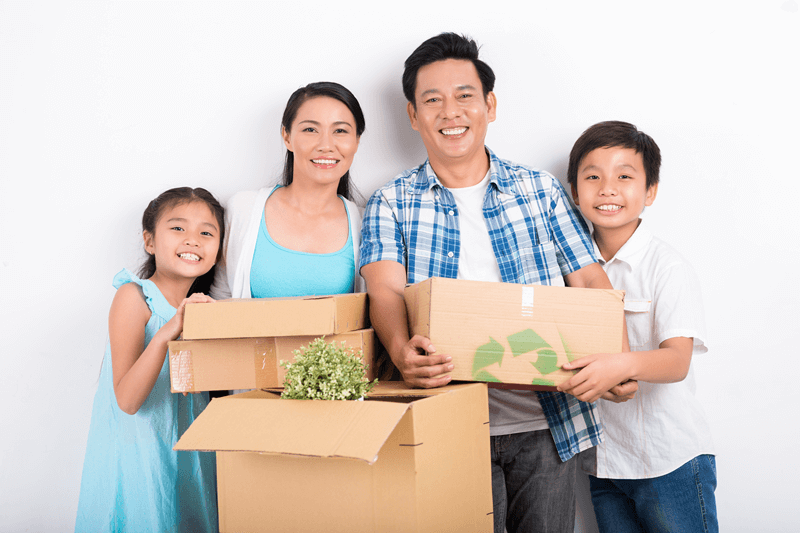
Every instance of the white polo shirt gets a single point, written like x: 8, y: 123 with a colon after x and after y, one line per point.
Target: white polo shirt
x: 664, y: 426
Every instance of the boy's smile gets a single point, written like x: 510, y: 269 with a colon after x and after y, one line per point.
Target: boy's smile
x: 612, y: 190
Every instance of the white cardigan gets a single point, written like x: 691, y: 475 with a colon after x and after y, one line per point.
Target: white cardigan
x: 243, y: 216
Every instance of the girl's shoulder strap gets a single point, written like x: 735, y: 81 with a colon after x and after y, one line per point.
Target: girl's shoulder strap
x: 155, y: 300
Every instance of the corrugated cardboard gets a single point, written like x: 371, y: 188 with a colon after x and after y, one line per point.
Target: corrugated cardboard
x: 253, y: 363
x: 402, y: 461
x: 276, y: 317
x: 509, y: 334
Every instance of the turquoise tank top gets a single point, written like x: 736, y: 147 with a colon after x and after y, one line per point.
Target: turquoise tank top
x: 278, y: 271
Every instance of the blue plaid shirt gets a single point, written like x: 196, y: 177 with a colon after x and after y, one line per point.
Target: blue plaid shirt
x: 537, y: 237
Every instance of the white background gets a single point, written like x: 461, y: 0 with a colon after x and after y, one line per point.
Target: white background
x: 105, y: 105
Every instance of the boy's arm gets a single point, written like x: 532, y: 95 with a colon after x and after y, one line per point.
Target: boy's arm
x: 600, y: 372
x: 387, y: 310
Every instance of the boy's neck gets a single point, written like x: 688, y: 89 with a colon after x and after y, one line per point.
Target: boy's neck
x: 610, y: 240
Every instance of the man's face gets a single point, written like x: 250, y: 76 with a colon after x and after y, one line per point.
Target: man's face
x: 451, y: 114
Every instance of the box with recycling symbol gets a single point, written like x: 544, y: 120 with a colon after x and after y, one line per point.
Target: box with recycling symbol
x: 511, y: 335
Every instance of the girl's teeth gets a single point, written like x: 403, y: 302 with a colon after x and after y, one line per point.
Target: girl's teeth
x: 190, y: 257
x: 454, y: 131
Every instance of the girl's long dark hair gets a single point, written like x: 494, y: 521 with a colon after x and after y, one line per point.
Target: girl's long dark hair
x: 167, y: 200
x: 298, y: 98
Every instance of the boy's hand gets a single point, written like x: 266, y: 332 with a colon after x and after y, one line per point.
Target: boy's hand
x: 622, y: 392
x: 598, y: 375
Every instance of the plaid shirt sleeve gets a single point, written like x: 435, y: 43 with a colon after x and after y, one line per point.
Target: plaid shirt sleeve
x: 381, y: 238
x: 570, y: 232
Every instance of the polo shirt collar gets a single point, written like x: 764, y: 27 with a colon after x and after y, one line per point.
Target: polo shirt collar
x: 426, y: 178
x: 632, y: 251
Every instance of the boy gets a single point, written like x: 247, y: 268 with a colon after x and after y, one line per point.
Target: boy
x: 655, y: 471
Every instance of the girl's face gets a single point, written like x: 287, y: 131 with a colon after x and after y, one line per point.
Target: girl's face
x: 185, y: 242
x: 323, y: 139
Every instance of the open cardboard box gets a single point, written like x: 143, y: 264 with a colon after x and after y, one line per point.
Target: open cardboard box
x: 274, y: 317
x: 250, y: 363
x: 512, y: 335
x: 404, y: 460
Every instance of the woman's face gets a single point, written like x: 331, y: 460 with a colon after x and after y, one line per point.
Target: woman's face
x: 323, y: 139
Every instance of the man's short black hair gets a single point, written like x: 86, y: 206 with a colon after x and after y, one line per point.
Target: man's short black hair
x: 445, y: 46
x: 612, y: 134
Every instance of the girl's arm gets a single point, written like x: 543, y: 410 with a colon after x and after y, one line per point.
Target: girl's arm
x: 136, y: 368
x: 600, y: 372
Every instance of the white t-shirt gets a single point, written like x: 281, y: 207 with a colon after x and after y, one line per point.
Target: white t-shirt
x: 509, y: 411
x: 664, y: 426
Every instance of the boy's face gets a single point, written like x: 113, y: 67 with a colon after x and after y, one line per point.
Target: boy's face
x: 451, y: 114
x: 612, y: 189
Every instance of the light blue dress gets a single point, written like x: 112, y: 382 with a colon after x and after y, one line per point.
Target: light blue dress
x: 132, y: 479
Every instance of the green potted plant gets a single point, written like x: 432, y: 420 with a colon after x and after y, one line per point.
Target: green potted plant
x: 325, y: 371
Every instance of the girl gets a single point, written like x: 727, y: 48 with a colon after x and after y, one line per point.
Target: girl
x: 132, y: 479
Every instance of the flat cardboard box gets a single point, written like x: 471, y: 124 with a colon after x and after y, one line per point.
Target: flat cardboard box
x: 512, y: 335
x: 276, y: 317
x: 251, y: 363
x: 403, y: 461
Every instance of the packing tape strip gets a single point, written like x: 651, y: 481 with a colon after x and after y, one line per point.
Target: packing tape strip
x: 181, y: 372
x: 527, y: 301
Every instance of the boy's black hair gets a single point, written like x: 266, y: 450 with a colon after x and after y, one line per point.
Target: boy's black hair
x: 446, y: 45
x: 614, y: 133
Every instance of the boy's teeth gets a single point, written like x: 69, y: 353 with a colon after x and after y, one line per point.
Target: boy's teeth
x: 191, y: 257
x: 454, y: 131
x: 609, y: 207
x: 324, y: 161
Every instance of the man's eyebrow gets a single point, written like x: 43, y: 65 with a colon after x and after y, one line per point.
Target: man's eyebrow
x: 466, y: 87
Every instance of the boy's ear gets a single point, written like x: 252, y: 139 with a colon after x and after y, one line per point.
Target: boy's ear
x: 574, y: 194
x: 149, y: 245
x: 650, y: 195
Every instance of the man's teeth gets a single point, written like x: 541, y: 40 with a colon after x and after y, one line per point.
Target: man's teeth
x: 324, y: 161
x: 454, y: 131
x: 190, y: 257
x: 609, y: 207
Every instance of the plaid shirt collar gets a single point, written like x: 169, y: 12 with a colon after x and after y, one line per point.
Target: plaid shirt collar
x: 426, y: 179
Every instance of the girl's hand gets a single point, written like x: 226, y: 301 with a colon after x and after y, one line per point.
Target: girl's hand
x: 174, y: 327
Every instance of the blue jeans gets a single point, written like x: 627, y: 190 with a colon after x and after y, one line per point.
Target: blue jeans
x: 532, y: 490
x: 678, y: 502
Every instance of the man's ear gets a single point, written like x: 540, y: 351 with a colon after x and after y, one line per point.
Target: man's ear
x: 491, y: 104
x: 412, y: 115
x: 650, y: 195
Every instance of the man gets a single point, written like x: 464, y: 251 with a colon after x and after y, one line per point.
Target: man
x: 467, y: 214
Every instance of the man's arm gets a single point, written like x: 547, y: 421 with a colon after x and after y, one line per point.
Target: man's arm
x: 387, y: 310
x: 594, y: 277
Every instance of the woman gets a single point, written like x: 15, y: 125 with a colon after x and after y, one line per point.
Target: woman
x: 300, y: 237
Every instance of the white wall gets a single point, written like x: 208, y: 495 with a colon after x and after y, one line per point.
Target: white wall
x: 105, y: 105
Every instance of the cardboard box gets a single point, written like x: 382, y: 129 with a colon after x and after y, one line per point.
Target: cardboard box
x: 511, y: 335
x: 276, y: 317
x: 401, y: 461
x: 252, y: 363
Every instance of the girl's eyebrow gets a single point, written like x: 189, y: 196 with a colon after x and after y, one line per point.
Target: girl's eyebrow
x: 180, y: 219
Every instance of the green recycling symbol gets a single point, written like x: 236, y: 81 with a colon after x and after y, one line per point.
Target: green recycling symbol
x: 524, y: 342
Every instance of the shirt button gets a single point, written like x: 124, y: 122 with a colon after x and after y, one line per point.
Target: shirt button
x: 451, y: 212
x: 436, y: 197
x: 450, y: 254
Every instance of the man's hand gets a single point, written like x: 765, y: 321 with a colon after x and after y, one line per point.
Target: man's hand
x: 421, y: 366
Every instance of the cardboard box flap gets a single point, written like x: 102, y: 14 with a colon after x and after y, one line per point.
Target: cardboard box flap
x: 350, y: 429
